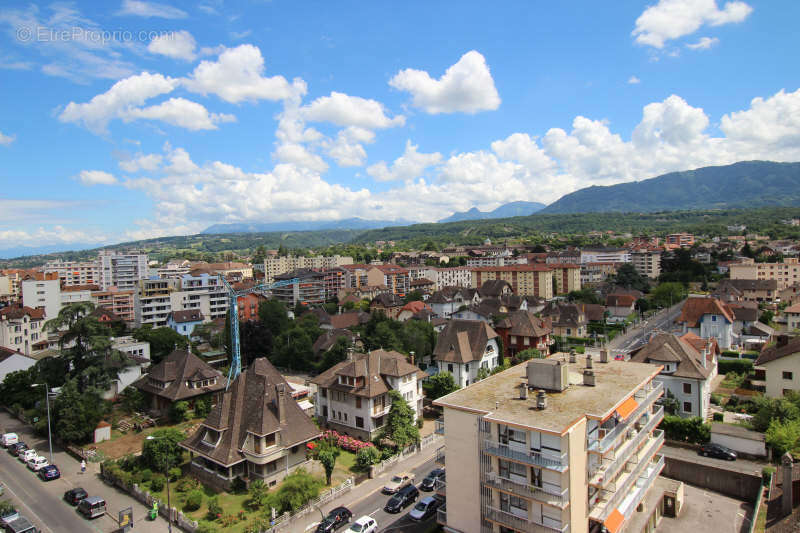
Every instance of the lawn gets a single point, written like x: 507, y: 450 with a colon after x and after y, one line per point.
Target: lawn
x: 122, y: 444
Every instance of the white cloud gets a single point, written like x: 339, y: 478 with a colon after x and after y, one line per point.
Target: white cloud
x: 300, y: 156
x: 140, y: 8
x: 633, y: 80
x: 6, y: 139
x: 238, y: 75
x: 520, y: 147
x: 48, y: 236
x: 409, y: 166
x: 703, y: 44
x: 123, y: 96
x: 147, y: 162
x: 176, y: 44
x: 345, y: 110
x: 180, y: 112
x: 466, y: 87
x: 770, y: 129
x: 97, y: 177
x: 672, y: 19
x: 348, y: 148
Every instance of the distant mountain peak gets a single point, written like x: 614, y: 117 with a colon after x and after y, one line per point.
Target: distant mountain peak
x: 513, y: 209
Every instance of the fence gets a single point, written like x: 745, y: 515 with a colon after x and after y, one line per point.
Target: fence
x: 284, y: 520
x: 425, y: 442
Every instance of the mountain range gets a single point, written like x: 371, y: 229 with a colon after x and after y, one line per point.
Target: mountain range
x: 307, y: 225
x: 513, y: 209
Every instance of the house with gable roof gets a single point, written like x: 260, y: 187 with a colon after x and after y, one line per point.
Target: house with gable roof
x: 779, y: 366
x: 522, y: 330
x: 465, y: 346
x: 706, y: 318
x: 184, y: 322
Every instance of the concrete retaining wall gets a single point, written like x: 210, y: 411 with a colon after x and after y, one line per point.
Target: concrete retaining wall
x: 728, y: 482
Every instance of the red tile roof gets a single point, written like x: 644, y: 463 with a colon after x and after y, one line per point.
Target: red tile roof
x: 695, y: 308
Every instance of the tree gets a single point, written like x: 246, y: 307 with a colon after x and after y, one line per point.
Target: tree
x: 336, y: 354
x: 585, y: 295
x: 256, y: 341
x: 440, y: 385
x: 77, y: 414
x: 367, y: 457
x: 132, y: 400
x: 413, y: 296
x: 272, y: 313
x: 630, y: 278
x: 161, y: 453
x: 259, y: 494
x: 162, y: 341
x: 766, y: 317
x: 260, y: 254
x: 530, y: 353
x: 296, y: 490
x: 483, y: 373
x: 327, y: 455
x: 400, y: 426
x: 783, y: 436
x: 667, y: 294
x: 178, y: 411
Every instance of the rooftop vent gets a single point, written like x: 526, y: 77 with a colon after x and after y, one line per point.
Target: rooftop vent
x: 572, y: 358
x: 547, y: 374
x: 589, y: 378
x: 604, y: 356
x: 589, y: 360
x: 523, y: 391
x: 541, y: 400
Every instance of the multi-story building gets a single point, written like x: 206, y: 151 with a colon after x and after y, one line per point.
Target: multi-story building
x: 121, y: 269
x: 452, y: 277
x: 682, y: 240
x: 309, y: 289
x: 232, y: 270
x: 495, y: 260
x: 572, y: 446
x: 708, y: 318
x: 779, y: 366
x: 647, y: 262
x: 201, y: 291
x: 394, y: 277
x: 353, y: 396
x: 570, y: 257
x: 526, y: 280
x: 566, y: 277
x: 276, y: 265
x: 174, y: 269
x: 605, y: 255
x: 121, y: 302
x: 596, y: 273
x: 42, y: 291
x: 523, y: 330
x: 154, y: 303
x: 786, y: 273
x: 6, y: 293
x: 73, y: 273
x: 77, y: 293
x: 21, y: 328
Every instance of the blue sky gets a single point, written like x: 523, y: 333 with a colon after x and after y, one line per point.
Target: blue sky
x: 130, y: 119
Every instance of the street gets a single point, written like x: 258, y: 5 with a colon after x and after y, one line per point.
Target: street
x: 744, y: 466
x: 42, y: 502
x: 635, y: 338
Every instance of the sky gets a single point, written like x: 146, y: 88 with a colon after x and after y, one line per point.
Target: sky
x: 130, y: 119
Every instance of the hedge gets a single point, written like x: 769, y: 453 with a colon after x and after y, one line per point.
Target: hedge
x: 580, y: 340
x: 692, y: 430
x: 740, y: 366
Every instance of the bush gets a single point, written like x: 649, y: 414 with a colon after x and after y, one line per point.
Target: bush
x: 238, y: 486
x: 214, y: 508
x: 157, y: 482
x: 783, y: 436
x: 193, y: 500
x: 177, y: 413
x: 174, y: 473
x: 692, y: 430
x: 128, y: 463
x: 202, y: 407
x: 187, y: 484
x: 716, y: 399
x: 146, y: 475
x: 730, y: 353
x: 718, y: 417
x: 740, y: 366
x: 420, y: 422
x: 368, y: 457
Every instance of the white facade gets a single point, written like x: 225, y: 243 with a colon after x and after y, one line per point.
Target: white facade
x: 453, y: 277
x: 466, y: 373
x: 13, y: 363
x: 204, y: 292
x: 495, y: 261
x: 71, y: 297
x: 274, y: 266
x: 73, y: 273
x: 693, y: 395
x: 45, y: 294
x: 137, y: 350
x: 20, y: 334
x: 611, y: 255
x: 153, y: 302
x: 716, y: 326
x: 122, y: 270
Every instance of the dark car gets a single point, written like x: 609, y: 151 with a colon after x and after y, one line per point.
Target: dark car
x: 49, y: 473
x: 16, y: 449
x: 74, y: 496
x: 717, y: 451
x: 402, y: 499
x: 335, y: 519
x: 429, y: 482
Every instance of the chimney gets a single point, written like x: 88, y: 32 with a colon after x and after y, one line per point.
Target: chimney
x: 523, y: 391
x: 541, y: 400
x: 572, y: 356
x: 280, y: 393
x: 412, y: 357
x: 588, y: 378
x: 604, y: 356
x: 704, y: 355
x: 786, y: 475
x: 588, y: 360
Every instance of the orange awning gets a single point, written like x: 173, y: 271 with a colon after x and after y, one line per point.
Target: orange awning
x: 614, y: 521
x: 627, y: 407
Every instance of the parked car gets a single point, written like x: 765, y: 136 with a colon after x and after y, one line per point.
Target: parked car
x: 37, y: 463
x: 424, y: 509
x: 402, y: 499
x: 365, y: 524
x: 397, y: 481
x: 74, y: 496
x: 49, y: 473
x: 8, y: 439
x: 21, y: 525
x: 16, y: 449
x: 717, y: 451
x: 92, y: 507
x: 8, y: 513
x: 429, y: 482
x: 335, y: 520
x: 26, y: 455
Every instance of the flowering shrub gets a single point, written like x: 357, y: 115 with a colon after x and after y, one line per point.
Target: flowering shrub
x: 344, y: 442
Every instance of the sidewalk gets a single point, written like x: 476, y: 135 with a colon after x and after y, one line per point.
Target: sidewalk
x: 71, y: 476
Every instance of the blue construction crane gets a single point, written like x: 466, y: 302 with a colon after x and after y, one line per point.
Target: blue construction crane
x: 233, y: 309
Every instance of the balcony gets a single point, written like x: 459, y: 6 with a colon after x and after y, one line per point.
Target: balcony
x: 603, y: 444
x: 441, y: 515
x: 520, y: 523
x: 555, y: 497
x: 440, y: 487
x: 439, y: 430
x: 440, y: 456
x: 552, y: 462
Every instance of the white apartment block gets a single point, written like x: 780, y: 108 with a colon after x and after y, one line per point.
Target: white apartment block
x: 647, y: 262
x: 274, y: 266
x: 72, y: 273
x: 553, y: 445
x: 21, y: 328
x: 42, y: 294
x: 605, y: 255
x: 139, y: 351
x: 122, y: 269
x: 453, y: 277
x: 786, y: 273
x: 205, y: 293
x: 495, y: 260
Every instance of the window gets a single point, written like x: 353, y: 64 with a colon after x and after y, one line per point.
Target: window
x: 687, y: 388
x: 359, y: 422
x: 358, y: 402
x: 450, y: 367
x: 687, y: 407
x: 787, y: 375
x: 713, y: 318
x: 325, y: 411
x: 324, y: 393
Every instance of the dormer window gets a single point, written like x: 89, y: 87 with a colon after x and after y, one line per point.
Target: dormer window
x: 211, y: 437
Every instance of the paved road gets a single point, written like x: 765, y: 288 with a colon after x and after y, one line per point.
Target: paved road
x: 739, y: 465
x: 639, y: 336
x: 41, y: 502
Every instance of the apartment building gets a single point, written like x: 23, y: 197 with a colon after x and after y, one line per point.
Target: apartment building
x: 567, y: 277
x: 393, y: 276
x: 647, y: 262
x: 21, y: 328
x: 154, y: 303
x: 526, y: 280
x: 276, y: 265
x: 174, y: 269
x: 452, y: 277
x: 121, y: 302
x: 6, y: 293
x: 682, y: 240
x: 308, y: 290
x: 558, y: 444
x: 786, y: 273
x: 42, y: 291
x: 201, y: 291
x: 596, y: 273
x: 605, y: 255
x: 121, y: 269
x: 495, y: 260
x: 72, y: 273
x: 77, y: 293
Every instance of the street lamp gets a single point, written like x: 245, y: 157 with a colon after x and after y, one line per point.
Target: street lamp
x: 169, y: 507
x: 47, y: 401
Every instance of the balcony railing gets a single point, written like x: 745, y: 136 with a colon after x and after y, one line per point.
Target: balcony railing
x: 519, y: 523
x: 440, y: 486
x: 441, y: 515
x: 552, y: 462
x: 602, y: 445
x: 440, y: 455
x: 626, y: 484
x: 558, y: 498
x: 643, y: 483
x: 439, y: 428
x: 610, y: 471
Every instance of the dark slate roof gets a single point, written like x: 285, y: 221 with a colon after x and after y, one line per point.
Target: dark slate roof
x: 190, y: 315
x: 463, y: 341
x: 565, y: 315
x: 349, y: 319
x: 620, y: 300
x: 779, y: 350
x: 668, y: 348
x: 525, y: 324
x: 744, y: 313
x: 179, y: 367
x: 387, y: 300
x: 373, y: 367
x: 253, y: 404
x: 594, y: 312
x: 447, y: 294
x: 494, y: 288
x: 329, y: 337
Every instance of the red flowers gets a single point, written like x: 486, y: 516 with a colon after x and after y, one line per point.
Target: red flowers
x: 343, y: 441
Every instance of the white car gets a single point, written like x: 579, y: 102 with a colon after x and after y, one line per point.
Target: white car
x: 9, y: 439
x: 27, y: 455
x: 365, y: 524
x: 397, y: 482
x: 37, y: 463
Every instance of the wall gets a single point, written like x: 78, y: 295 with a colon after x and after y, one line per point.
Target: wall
x: 728, y: 482
x: 462, y: 455
x: 774, y: 371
